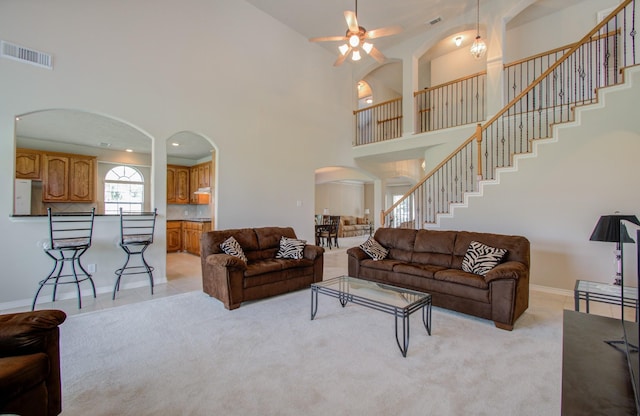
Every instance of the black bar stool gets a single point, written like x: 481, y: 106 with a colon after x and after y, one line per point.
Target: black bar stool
x: 69, y: 238
x: 136, y: 234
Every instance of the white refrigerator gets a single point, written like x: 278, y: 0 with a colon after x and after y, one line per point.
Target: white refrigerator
x: 22, y: 197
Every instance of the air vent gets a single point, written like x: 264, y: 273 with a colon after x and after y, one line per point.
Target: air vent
x: 436, y: 20
x: 22, y: 54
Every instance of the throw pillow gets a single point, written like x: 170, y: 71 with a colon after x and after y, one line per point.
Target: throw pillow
x: 374, y: 249
x: 290, y: 248
x: 360, y: 221
x: 231, y: 247
x: 480, y: 258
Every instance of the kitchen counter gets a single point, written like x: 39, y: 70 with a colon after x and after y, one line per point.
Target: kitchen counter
x: 191, y: 219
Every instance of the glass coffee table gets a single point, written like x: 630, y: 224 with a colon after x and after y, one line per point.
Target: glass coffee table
x: 386, y: 298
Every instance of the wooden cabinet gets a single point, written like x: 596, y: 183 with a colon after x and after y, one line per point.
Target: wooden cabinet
x: 199, y: 177
x: 191, y: 232
x: 193, y: 184
x: 28, y: 164
x: 174, y: 236
x: 68, y: 178
x: 185, y: 235
x: 177, y: 184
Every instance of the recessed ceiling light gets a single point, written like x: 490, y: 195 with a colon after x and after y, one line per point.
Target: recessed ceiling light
x: 175, y: 144
x: 458, y: 40
x: 128, y: 150
x: 17, y: 118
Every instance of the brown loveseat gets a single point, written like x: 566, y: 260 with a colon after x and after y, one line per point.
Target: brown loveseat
x: 431, y: 261
x: 30, y: 363
x: 233, y: 281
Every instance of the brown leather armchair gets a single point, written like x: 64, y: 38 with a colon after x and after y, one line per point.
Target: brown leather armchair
x: 30, y: 363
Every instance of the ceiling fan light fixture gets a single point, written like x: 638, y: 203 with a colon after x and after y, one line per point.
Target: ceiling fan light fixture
x: 355, y: 56
x: 367, y: 47
x: 344, y: 48
x: 354, y: 41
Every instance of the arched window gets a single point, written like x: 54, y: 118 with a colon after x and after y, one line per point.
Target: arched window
x: 123, y: 188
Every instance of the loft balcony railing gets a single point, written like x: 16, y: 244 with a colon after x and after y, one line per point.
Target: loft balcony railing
x: 573, y: 79
x: 454, y: 103
x: 379, y: 122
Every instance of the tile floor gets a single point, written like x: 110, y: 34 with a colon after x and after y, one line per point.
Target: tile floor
x: 184, y: 275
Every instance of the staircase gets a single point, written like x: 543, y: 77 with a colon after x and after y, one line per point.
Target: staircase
x: 533, y: 117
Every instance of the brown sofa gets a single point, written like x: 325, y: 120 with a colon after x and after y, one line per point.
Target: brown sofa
x: 351, y: 226
x: 431, y: 261
x: 30, y: 363
x: 233, y: 281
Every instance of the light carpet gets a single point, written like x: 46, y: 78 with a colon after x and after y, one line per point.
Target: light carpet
x: 187, y: 355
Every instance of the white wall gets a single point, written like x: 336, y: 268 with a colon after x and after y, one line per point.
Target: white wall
x: 556, y: 198
x: 569, y: 25
x: 341, y: 198
x: 271, y: 104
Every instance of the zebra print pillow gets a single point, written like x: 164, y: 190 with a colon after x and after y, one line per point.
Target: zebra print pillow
x: 290, y: 248
x: 374, y: 249
x: 480, y: 258
x: 231, y: 247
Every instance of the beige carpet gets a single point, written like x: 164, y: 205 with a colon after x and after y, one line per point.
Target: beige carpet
x: 187, y: 355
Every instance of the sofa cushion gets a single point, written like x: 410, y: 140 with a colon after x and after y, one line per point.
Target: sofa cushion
x: 462, y: 278
x: 422, y: 270
x: 399, y: 242
x: 434, y: 247
x: 481, y: 258
x: 231, y: 247
x: 374, y: 249
x: 290, y: 248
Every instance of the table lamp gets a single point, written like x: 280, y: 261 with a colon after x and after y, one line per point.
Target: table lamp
x: 608, y: 230
x: 366, y: 214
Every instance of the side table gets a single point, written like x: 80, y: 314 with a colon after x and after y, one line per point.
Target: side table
x: 604, y: 293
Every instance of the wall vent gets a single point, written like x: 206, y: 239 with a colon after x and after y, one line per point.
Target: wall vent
x: 22, y: 54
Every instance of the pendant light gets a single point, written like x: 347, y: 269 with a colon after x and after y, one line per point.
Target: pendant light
x: 479, y: 47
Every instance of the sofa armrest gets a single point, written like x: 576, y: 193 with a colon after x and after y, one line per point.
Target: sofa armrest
x: 508, y: 270
x: 225, y: 260
x: 28, y: 332
x: 312, y: 252
x: 357, y: 253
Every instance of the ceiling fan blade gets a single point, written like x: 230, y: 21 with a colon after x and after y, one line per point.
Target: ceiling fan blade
x: 383, y: 31
x: 377, y: 55
x: 329, y: 39
x: 341, y: 57
x: 352, y: 21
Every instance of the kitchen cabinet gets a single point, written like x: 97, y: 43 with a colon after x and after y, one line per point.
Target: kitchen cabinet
x: 184, y: 235
x: 177, y: 184
x: 191, y: 232
x: 199, y: 177
x: 68, y: 178
x: 174, y: 236
x: 28, y: 164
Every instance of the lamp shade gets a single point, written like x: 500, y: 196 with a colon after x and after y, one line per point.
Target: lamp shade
x: 608, y: 228
x: 366, y: 211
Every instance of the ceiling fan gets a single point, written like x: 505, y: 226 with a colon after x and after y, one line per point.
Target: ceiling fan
x: 357, y: 38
